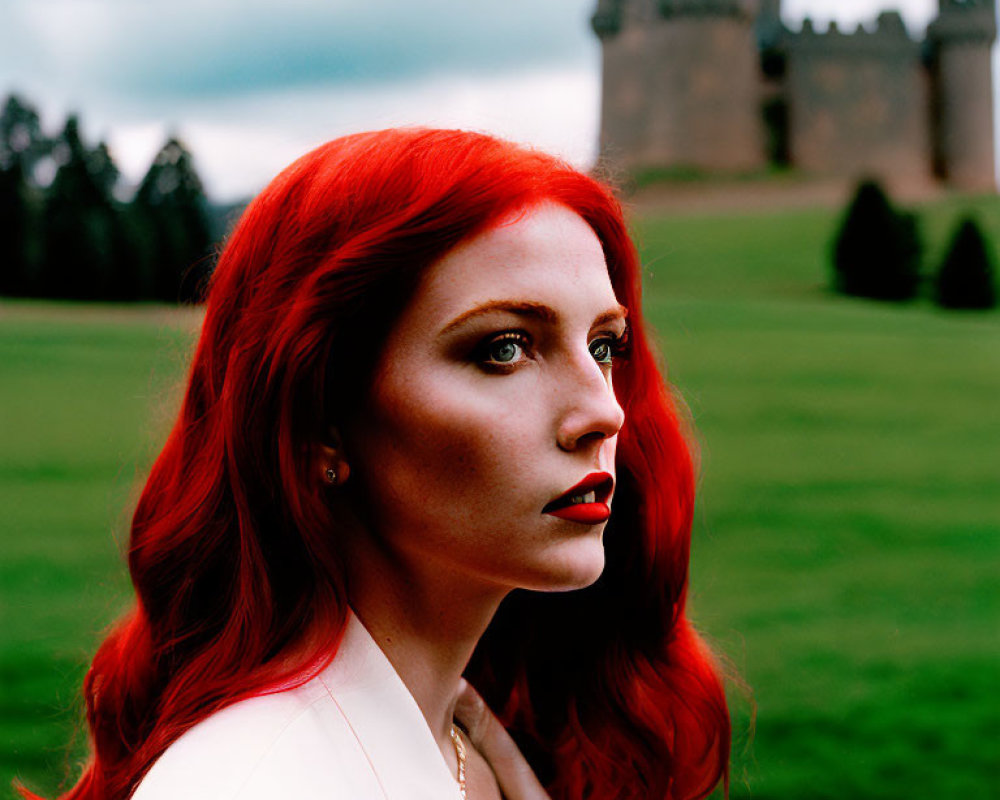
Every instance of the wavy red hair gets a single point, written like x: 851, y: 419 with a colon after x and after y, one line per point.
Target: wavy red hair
x: 233, y: 552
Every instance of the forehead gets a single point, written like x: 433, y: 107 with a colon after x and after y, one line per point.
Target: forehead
x: 546, y: 254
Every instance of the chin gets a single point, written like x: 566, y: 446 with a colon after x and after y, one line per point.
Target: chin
x: 575, y: 567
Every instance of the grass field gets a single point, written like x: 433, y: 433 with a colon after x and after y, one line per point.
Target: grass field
x: 847, y: 539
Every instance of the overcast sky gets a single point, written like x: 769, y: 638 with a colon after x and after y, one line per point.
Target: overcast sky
x: 252, y: 84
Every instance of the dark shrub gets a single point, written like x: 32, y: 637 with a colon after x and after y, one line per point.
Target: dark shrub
x: 877, y: 249
x: 966, y: 278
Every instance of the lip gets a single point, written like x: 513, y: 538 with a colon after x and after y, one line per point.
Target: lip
x: 602, y: 484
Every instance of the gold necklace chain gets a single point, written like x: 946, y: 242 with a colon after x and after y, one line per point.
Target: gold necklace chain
x: 460, y: 752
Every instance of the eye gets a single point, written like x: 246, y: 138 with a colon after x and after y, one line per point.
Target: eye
x: 600, y: 349
x: 605, y: 349
x: 503, y: 350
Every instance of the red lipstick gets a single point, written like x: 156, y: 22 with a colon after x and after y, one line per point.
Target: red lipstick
x: 587, y: 502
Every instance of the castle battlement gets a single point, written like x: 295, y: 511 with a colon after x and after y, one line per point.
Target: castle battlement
x: 610, y: 15
x: 607, y: 19
x: 972, y: 21
x: 962, y: 6
x: 888, y: 38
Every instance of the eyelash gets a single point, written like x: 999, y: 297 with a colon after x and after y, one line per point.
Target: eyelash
x: 619, y: 349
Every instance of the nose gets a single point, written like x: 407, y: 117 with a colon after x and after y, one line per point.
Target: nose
x: 591, y: 412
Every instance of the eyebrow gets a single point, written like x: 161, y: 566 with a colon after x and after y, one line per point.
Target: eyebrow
x: 526, y: 308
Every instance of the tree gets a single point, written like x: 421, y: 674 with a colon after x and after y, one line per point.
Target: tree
x: 22, y: 147
x: 967, y: 276
x: 877, y: 249
x: 102, y: 169
x: 171, y: 207
x: 21, y: 139
x: 79, y: 224
x: 15, y: 277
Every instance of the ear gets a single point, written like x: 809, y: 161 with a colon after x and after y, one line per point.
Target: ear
x: 331, y: 460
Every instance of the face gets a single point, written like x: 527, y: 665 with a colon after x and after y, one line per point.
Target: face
x: 492, y: 400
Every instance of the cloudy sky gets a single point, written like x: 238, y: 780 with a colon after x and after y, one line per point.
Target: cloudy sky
x: 252, y: 84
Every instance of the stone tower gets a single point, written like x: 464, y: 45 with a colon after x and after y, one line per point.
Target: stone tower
x: 681, y: 85
x: 858, y: 101
x: 960, y: 40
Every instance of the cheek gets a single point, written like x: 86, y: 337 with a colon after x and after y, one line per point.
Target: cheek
x: 446, y: 438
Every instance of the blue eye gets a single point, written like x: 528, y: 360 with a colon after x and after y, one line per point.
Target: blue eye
x: 504, y: 350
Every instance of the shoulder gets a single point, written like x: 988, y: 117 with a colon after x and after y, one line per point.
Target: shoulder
x: 294, y: 743
x: 354, y: 732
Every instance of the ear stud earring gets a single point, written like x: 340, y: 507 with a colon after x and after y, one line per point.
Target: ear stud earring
x: 331, y: 475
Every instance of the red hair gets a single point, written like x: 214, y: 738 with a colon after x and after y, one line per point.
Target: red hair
x: 239, y: 581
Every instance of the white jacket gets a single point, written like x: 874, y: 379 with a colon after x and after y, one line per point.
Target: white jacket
x: 354, y: 732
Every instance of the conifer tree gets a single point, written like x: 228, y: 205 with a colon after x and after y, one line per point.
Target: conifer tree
x: 967, y: 276
x: 170, y: 205
x: 78, y: 223
x: 877, y: 250
x: 15, y: 272
x: 21, y: 137
x: 22, y: 146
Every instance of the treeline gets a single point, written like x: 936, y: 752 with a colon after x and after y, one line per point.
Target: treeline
x: 878, y: 250
x: 70, y: 229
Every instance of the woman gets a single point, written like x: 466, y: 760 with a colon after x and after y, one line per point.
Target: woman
x: 400, y: 416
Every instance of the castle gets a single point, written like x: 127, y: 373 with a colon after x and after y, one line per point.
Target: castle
x: 724, y: 86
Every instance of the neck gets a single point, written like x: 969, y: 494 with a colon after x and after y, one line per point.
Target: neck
x: 427, y: 628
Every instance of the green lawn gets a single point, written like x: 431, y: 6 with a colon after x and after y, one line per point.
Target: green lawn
x: 847, y: 544
x: 847, y: 540
x: 86, y: 397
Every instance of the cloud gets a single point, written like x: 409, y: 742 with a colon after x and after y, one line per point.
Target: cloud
x: 157, y: 49
x: 251, y: 84
x: 242, y: 142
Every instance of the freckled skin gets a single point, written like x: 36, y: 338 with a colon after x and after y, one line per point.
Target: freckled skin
x: 456, y: 461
